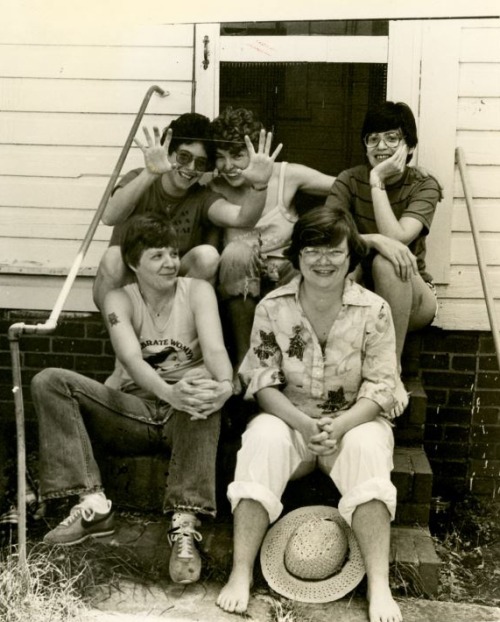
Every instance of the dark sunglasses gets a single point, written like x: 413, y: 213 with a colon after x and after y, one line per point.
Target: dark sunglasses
x: 184, y: 158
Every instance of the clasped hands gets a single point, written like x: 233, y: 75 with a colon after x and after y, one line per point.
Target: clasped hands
x: 198, y: 395
x: 323, y: 436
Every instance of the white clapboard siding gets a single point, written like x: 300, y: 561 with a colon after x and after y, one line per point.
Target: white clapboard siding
x: 463, y: 252
x: 487, y: 52
x: 464, y: 314
x: 41, y: 292
x: 102, y: 96
x: 69, y: 94
x: 49, y: 161
x: 36, y: 31
x: 479, y: 113
x: 480, y: 147
x: 462, y: 304
x: 53, y: 192
x: 484, y: 182
x: 77, y: 129
x: 49, y: 256
x: 58, y: 224
x: 95, y: 63
x: 485, y: 213
x: 479, y: 79
x: 466, y: 282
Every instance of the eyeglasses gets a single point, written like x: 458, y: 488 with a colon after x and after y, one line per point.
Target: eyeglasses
x: 184, y: 158
x: 313, y: 253
x: 391, y: 139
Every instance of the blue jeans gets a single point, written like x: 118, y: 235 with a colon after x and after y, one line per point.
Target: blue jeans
x: 76, y: 413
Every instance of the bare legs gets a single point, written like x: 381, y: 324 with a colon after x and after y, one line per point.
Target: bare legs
x: 250, y: 525
x: 413, y: 306
x: 371, y: 525
x: 201, y: 262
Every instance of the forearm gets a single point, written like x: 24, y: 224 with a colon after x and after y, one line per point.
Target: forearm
x: 387, y: 223
x: 363, y: 411
x: 147, y: 379
x: 251, y: 208
x: 219, y: 365
x: 272, y: 401
x: 123, y: 201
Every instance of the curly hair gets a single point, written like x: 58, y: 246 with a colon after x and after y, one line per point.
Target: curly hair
x: 231, y: 126
x: 326, y: 226
x: 191, y: 127
x: 146, y: 231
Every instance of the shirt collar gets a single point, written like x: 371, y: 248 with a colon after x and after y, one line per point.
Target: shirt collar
x: 353, y: 293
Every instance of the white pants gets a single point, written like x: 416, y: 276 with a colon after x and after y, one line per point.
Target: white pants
x: 272, y: 453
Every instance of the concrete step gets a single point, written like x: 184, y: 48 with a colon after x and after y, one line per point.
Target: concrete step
x: 414, y: 561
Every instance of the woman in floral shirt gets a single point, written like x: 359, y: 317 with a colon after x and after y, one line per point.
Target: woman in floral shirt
x: 322, y: 367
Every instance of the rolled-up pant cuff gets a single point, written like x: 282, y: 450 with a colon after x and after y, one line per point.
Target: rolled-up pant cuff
x: 256, y: 492
x: 377, y: 488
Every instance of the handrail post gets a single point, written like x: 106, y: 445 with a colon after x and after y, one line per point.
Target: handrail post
x: 20, y: 328
x: 490, y: 304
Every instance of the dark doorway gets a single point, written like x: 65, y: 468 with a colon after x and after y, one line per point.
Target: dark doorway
x: 314, y: 109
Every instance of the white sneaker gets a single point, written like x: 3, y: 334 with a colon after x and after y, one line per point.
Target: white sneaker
x: 185, y: 560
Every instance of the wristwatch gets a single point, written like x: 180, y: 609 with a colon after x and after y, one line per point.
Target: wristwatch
x: 378, y: 184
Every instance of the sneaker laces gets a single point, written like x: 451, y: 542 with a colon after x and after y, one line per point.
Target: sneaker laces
x: 184, y: 535
x: 76, y: 512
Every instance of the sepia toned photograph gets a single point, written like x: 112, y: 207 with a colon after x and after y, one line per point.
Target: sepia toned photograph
x: 250, y: 307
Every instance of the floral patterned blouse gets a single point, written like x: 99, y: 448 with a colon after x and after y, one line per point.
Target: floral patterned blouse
x: 358, y: 360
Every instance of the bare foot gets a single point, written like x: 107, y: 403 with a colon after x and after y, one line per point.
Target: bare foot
x: 382, y: 607
x: 235, y: 595
x: 401, y: 399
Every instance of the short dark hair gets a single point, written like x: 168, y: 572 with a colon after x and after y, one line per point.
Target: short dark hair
x: 231, y: 126
x: 191, y: 127
x: 143, y: 232
x: 389, y: 116
x: 326, y: 226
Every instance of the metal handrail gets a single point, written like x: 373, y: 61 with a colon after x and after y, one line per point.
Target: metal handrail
x: 20, y: 328
x: 490, y: 305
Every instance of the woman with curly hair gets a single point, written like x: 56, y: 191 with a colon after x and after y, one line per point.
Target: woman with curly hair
x: 252, y: 262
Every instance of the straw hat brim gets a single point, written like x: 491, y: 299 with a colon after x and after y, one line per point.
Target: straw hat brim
x: 272, y: 560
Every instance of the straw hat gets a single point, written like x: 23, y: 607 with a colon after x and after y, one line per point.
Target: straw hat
x: 311, y: 555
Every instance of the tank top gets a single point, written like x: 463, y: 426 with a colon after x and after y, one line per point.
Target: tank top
x: 171, y: 350
x: 274, y: 228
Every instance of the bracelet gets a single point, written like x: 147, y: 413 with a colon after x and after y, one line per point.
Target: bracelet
x: 379, y: 184
x: 260, y: 189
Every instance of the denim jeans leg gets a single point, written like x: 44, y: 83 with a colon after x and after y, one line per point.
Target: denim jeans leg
x: 191, y: 475
x: 73, y: 411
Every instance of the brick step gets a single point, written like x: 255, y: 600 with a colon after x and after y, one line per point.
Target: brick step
x: 413, y: 557
x: 409, y: 429
x: 412, y: 476
x: 138, y: 482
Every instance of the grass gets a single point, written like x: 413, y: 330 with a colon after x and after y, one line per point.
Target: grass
x: 61, y: 583
x: 44, y: 591
x: 58, y: 584
x: 470, y: 554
